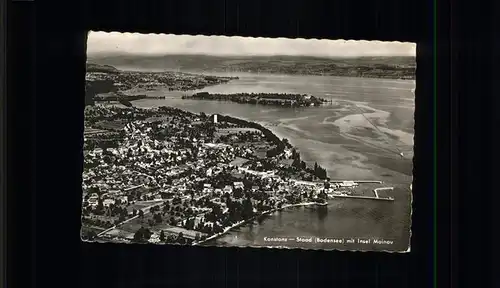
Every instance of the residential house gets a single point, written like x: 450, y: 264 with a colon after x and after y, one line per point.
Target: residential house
x: 228, y: 189
x: 108, y: 202
x: 238, y: 185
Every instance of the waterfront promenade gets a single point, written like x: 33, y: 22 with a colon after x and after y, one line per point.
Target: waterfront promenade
x: 243, y: 222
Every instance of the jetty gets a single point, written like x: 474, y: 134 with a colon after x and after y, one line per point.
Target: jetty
x: 375, y: 191
x: 363, y: 197
x: 356, y: 181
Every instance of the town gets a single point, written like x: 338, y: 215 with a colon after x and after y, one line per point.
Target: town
x: 165, y: 175
x: 277, y: 99
x: 173, y: 169
x: 178, y: 81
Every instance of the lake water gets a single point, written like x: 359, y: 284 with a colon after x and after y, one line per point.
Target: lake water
x: 358, y: 136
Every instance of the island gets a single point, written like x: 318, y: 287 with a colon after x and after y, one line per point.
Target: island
x: 164, y: 175
x: 275, y: 99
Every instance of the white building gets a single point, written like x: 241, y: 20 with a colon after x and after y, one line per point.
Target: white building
x: 155, y: 238
x: 108, y: 202
x: 228, y: 189
x: 348, y: 184
x: 238, y: 185
x: 93, y: 201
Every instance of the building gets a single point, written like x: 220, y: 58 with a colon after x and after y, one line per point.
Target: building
x: 215, y: 118
x: 238, y: 185
x: 348, y: 184
x: 108, y: 202
x: 228, y: 189
x: 93, y: 201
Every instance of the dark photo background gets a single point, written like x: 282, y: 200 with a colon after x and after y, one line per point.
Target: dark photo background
x: 46, y: 168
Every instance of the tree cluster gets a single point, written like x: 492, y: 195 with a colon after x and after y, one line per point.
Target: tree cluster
x: 142, y: 235
x: 319, y: 171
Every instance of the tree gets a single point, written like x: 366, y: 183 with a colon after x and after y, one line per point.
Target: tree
x: 99, y: 209
x: 247, y: 208
x: 181, y: 239
x: 151, y: 222
x: 154, y: 209
x: 173, y: 221
x: 147, y: 234
x: 91, y: 235
x: 158, y: 218
x: 166, y: 208
x: 139, y: 235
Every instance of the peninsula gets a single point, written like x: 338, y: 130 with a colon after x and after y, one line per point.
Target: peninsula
x: 131, y: 85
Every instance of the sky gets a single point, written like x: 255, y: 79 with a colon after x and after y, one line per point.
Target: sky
x: 164, y: 44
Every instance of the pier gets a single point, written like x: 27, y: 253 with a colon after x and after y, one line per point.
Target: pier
x: 363, y: 197
x: 381, y: 189
x: 375, y: 191
x: 356, y: 181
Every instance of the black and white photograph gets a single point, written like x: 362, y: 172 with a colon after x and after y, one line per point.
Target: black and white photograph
x: 248, y: 142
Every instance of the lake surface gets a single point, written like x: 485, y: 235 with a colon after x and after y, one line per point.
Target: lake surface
x: 359, y: 136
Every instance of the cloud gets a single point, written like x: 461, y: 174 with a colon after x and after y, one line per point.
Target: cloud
x: 163, y: 44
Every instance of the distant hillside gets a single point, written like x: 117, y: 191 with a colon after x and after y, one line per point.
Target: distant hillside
x: 92, y: 67
x: 375, y: 67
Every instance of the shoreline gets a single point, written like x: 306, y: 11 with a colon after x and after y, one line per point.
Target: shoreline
x: 125, y: 68
x: 243, y: 222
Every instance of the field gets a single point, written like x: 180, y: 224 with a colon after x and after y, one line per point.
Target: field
x: 86, y: 229
x: 132, y: 226
x: 239, y: 161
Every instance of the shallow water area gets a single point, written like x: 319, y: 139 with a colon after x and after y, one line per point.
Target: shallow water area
x: 336, y: 136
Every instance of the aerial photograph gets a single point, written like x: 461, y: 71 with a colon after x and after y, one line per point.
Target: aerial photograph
x: 248, y: 142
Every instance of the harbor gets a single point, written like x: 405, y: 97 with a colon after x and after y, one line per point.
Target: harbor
x: 375, y: 192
